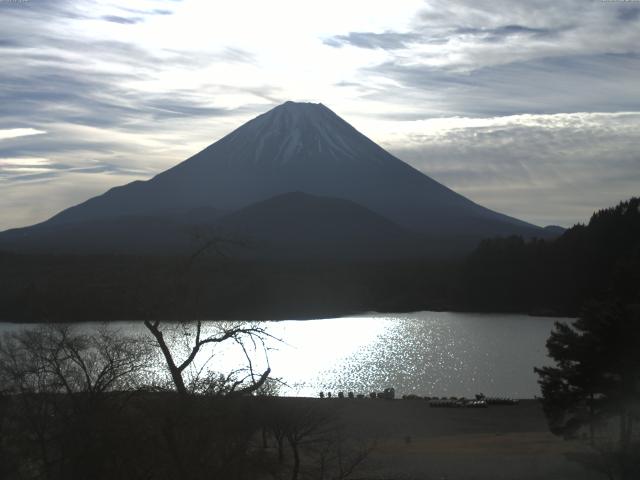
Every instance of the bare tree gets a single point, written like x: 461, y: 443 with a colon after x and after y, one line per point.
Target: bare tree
x: 239, y: 382
x: 340, y: 456
x: 304, y: 425
x: 58, y: 359
x: 61, y: 384
x: 319, y: 445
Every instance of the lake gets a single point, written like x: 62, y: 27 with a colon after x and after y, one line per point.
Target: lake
x: 425, y: 353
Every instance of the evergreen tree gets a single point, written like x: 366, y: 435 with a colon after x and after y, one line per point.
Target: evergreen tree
x: 596, y: 379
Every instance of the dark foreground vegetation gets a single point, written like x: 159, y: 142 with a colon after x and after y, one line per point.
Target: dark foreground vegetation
x: 78, y: 406
x: 92, y: 406
x: 547, y: 277
x: 138, y: 435
x: 593, y: 391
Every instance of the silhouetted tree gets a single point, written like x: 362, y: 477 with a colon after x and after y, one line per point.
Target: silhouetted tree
x: 596, y: 377
x: 220, y: 332
x: 63, y: 388
x: 319, y: 446
x: 240, y: 382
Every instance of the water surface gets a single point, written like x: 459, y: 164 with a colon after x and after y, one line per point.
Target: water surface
x: 425, y: 353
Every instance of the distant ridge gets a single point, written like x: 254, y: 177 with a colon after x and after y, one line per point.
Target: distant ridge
x: 297, y: 225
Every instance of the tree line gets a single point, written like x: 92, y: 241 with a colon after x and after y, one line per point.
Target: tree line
x: 593, y: 389
x: 557, y: 277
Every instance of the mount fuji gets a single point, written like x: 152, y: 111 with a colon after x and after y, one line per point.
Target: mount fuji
x: 344, y: 184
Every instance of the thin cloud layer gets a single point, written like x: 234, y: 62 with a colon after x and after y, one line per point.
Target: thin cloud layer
x: 500, y: 58
x: 527, y: 165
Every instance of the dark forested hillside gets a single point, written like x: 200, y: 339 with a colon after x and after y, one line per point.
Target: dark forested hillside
x: 553, y: 277
x: 36, y: 288
x: 587, y: 262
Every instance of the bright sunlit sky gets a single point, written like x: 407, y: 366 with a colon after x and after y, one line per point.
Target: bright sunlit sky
x: 531, y: 108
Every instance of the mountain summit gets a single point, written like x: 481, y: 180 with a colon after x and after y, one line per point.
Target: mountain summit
x: 298, y: 147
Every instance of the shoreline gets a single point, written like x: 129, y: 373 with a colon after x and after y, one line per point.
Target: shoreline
x: 301, y: 318
x: 413, y: 440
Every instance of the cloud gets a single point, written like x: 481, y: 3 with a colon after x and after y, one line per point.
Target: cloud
x: 403, y: 40
x: 49, y: 77
x: 598, y: 83
x: 529, y: 165
x: 4, y: 162
x: 630, y: 13
x: 386, y: 40
x: 24, y: 169
x: 23, y: 203
x: 19, y: 132
x: 237, y: 55
x: 504, y: 32
x: 498, y: 57
x: 148, y: 12
x: 43, y: 9
x: 122, y: 20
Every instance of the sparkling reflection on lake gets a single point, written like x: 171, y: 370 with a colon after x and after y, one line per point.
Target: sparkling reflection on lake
x: 426, y: 353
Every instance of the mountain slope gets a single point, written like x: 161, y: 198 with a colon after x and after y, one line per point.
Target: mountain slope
x: 299, y: 147
x: 291, y: 226
x: 301, y: 226
x: 157, y: 234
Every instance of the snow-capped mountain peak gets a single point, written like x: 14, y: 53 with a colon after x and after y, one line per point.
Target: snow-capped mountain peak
x: 299, y: 132
x: 301, y: 147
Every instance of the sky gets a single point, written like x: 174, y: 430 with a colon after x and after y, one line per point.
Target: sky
x: 530, y: 108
